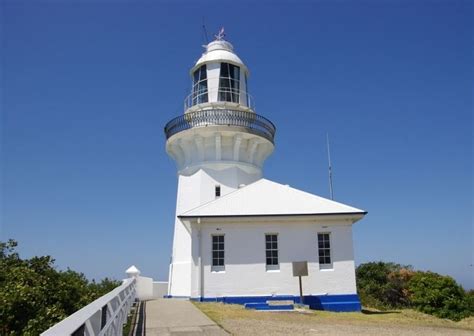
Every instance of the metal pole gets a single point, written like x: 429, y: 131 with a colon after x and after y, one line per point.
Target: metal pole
x: 301, y: 291
x: 331, y: 191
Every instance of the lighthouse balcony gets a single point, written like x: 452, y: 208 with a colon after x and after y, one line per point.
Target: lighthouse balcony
x: 231, y: 117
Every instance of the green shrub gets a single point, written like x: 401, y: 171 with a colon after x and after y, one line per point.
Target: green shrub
x: 383, y: 285
x: 34, y: 295
x: 438, y: 295
x: 470, y: 300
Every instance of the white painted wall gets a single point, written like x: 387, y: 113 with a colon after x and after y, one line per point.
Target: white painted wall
x: 160, y: 289
x: 194, y: 190
x: 245, y: 272
x: 144, y: 288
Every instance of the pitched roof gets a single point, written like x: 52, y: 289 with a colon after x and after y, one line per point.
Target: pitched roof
x: 268, y: 198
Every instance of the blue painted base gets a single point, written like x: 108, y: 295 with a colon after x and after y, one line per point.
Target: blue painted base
x: 336, y: 303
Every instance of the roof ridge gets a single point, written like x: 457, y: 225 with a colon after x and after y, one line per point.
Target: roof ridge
x: 220, y: 198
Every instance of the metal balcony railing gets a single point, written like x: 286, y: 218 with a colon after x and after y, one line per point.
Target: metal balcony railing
x: 254, y: 123
x: 104, y: 316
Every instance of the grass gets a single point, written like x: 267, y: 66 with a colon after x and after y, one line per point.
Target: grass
x: 220, y: 313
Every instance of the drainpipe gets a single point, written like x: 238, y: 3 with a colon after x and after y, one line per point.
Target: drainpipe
x: 200, y: 259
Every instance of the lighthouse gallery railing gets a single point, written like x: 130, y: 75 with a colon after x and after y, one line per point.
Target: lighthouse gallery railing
x: 222, y: 117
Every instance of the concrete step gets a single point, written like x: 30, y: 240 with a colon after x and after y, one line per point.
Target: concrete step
x: 266, y: 306
x: 280, y: 302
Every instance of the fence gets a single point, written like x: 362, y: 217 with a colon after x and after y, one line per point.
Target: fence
x: 104, y: 316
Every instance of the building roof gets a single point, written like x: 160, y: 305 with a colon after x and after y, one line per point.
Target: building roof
x: 268, y: 198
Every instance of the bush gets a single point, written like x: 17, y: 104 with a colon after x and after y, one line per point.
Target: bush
x: 383, y: 285
x: 388, y: 285
x: 470, y: 300
x: 438, y: 295
x: 34, y: 295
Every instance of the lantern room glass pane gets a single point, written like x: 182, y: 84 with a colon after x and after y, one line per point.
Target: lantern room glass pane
x: 229, y: 83
x: 200, y: 93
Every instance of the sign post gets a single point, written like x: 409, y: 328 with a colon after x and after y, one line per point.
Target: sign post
x: 300, y: 268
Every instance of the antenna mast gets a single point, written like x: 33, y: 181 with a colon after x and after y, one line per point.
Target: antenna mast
x: 331, y: 191
x: 206, y: 38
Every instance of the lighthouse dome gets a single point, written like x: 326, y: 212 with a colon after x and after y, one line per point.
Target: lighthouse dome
x: 219, y: 51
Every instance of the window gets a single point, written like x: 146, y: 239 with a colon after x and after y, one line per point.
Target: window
x: 324, y: 250
x: 218, y: 191
x: 271, y: 251
x: 229, y: 83
x: 217, y: 253
x: 200, y: 85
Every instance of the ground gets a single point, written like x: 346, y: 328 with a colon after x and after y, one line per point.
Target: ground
x: 239, y: 321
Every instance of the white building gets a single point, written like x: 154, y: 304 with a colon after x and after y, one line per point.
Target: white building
x: 236, y: 234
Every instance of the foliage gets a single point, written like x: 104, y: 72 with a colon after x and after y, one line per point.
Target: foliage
x: 470, y: 300
x: 388, y: 285
x: 438, y: 295
x: 34, y: 295
x: 383, y: 285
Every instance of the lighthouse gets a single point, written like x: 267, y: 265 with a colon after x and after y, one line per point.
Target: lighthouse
x: 236, y: 234
x: 219, y: 144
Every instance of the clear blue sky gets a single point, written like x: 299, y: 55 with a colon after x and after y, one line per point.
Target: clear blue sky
x: 87, y: 88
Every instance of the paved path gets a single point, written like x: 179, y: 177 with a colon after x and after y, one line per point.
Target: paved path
x: 178, y: 318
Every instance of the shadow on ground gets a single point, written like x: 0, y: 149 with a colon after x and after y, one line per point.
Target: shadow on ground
x: 371, y: 312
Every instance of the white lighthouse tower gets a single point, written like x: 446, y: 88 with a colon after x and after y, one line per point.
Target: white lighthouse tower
x: 219, y: 144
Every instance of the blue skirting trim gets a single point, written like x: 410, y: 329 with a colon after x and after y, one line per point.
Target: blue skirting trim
x: 336, y: 302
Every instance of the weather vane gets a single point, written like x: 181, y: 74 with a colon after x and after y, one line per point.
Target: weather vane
x: 220, y: 35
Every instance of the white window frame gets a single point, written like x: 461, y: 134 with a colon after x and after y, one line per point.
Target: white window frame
x: 217, y: 268
x: 325, y: 266
x: 270, y: 268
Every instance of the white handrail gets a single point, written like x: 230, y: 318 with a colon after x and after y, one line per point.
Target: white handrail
x: 104, y: 316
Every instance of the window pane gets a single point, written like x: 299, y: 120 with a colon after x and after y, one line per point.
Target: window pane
x: 218, y: 250
x: 203, y: 74
x: 271, y: 249
x: 224, y: 69
x: 321, y: 260
x: 225, y: 84
x: 327, y: 260
x: 196, y: 76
